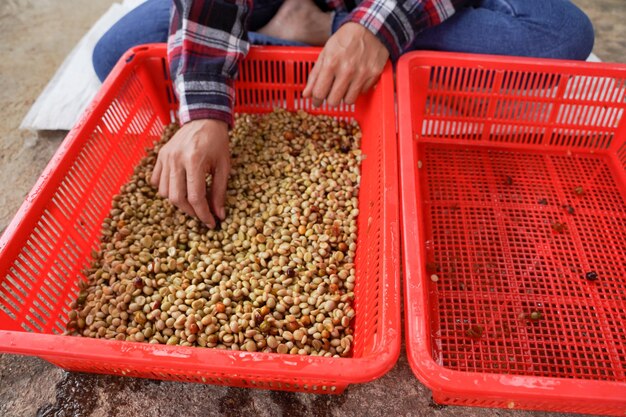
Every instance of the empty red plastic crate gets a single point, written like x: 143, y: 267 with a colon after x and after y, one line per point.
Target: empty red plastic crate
x: 50, y: 240
x: 513, y: 188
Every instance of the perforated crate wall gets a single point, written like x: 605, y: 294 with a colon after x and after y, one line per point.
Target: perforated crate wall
x: 49, y: 242
x: 492, y: 152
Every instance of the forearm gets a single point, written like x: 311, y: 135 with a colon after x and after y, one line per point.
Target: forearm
x: 397, y: 23
x: 207, y: 40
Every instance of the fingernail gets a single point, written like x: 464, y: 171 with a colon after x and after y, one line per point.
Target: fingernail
x: 221, y: 213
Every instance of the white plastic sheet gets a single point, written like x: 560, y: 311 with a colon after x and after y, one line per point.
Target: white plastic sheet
x: 75, y: 83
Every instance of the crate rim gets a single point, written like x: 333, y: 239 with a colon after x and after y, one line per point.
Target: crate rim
x: 444, y: 380
x: 418, y: 347
x: 504, y: 62
x: 372, y: 365
x: 195, y: 358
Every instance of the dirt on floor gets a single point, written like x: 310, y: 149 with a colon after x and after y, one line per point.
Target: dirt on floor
x: 36, y: 37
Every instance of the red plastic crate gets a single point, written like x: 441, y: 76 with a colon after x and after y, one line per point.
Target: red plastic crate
x: 50, y: 240
x: 483, y: 141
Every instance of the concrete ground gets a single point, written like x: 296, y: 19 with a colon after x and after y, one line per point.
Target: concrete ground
x: 36, y: 36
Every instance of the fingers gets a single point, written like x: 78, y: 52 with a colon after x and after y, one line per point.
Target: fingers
x: 348, y: 65
x: 196, y: 195
x: 218, y: 188
x: 308, y: 89
x: 156, y: 173
x: 353, y: 93
x: 320, y: 82
x: 186, y: 190
x: 369, y: 83
x: 339, y: 88
x: 335, y: 84
x: 359, y: 85
x: 164, y: 181
x: 199, y: 147
x: 312, y: 79
x: 322, y: 87
x: 178, y: 191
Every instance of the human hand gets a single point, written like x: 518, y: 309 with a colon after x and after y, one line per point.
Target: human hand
x: 349, y: 64
x: 200, y: 147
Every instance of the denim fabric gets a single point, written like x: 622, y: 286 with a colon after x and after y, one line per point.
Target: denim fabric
x: 537, y: 28
x: 147, y: 23
x: 534, y: 28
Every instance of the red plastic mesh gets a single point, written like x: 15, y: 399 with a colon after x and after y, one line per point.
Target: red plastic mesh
x: 500, y: 259
x: 491, y: 152
x: 50, y: 241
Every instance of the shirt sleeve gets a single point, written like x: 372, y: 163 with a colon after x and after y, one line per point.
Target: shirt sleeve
x: 396, y: 23
x: 206, y: 41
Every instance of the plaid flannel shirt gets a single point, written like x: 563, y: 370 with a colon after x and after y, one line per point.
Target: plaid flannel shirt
x: 208, y: 38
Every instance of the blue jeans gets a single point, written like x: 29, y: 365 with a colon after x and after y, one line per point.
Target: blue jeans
x: 535, y: 28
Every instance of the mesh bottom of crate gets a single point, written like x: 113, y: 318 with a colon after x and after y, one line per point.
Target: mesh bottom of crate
x: 512, y: 237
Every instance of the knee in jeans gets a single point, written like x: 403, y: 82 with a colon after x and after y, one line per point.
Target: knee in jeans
x: 587, y: 35
x: 101, y: 58
x: 578, y: 36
